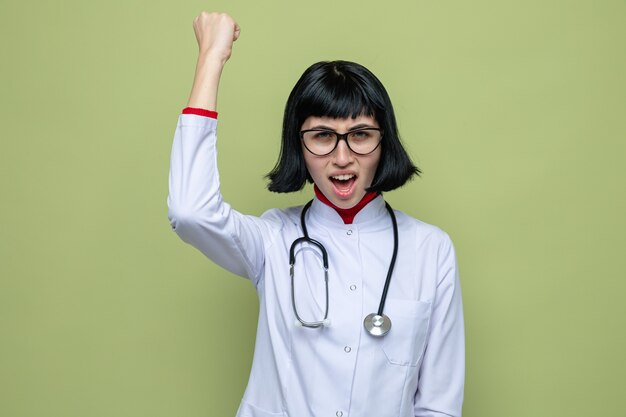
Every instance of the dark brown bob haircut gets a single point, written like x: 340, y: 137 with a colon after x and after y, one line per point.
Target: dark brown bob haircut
x: 339, y: 89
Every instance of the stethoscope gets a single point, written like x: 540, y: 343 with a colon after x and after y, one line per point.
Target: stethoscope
x: 377, y: 324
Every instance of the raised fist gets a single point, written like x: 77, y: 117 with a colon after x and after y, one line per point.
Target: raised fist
x: 216, y: 33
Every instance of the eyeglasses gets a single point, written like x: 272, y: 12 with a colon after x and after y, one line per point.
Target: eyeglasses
x: 321, y: 142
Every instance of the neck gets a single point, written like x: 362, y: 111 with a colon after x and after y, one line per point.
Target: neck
x: 347, y: 215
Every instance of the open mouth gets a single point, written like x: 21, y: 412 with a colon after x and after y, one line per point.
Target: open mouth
x: 343, y: 184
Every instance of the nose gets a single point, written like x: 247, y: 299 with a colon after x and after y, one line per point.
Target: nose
x: 343, y: 155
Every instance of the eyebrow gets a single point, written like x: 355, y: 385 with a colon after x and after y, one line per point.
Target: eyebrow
x: 359, y: 126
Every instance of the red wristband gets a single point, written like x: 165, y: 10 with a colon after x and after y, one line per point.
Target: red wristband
x: 200, y: 112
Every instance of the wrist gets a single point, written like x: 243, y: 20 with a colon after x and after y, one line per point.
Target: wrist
x: 213, y: 58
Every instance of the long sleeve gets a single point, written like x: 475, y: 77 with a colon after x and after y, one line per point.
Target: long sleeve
x: 197, y: 212
x: 442, y: 373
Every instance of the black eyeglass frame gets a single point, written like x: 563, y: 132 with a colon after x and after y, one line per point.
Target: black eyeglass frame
x: 342, y: 136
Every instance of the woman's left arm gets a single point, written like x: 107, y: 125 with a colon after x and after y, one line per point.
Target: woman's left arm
x: 442, y: 373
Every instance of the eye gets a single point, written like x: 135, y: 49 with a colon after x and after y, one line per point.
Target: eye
x: 322, y: 135
x: 361, y: 134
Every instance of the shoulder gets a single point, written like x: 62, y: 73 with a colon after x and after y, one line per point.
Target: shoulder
x: 431, y: 240
x: 421, y: 230
x: 283, y: 217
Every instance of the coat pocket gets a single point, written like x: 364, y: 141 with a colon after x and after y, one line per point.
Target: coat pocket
x: 406, y: 340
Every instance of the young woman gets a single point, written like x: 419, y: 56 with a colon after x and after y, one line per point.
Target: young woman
x: 360, y: 305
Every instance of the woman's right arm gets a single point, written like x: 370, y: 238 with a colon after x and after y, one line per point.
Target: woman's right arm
x: 215, y: 33
x: 197, y: 212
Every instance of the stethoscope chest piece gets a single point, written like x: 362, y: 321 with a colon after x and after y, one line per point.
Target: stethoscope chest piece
x: 377, y: 325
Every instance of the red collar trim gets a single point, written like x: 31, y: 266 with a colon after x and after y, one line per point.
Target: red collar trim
x: 347, y: 215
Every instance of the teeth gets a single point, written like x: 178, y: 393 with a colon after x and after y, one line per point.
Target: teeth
x: 343, y: 177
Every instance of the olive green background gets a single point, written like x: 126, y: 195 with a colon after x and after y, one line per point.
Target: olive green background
x: 514, y: 110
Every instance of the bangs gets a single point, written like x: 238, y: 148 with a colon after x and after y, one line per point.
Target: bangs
x: 335, y: 95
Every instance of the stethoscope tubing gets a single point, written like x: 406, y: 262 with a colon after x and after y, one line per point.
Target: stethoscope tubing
x: 306, y: 238
x: 292, y: 262
x: 392, y: 264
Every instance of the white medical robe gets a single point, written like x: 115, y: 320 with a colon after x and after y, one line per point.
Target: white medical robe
x: 417, y: 369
